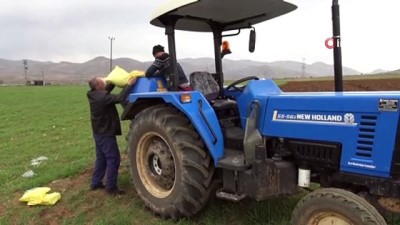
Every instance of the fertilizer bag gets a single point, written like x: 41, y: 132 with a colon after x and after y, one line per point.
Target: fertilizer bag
x: 40, y: 196
x: 119, y: 77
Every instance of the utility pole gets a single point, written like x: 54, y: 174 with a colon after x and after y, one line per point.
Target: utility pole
x: 44, y: 82
x: 111, y: 43
x: 25, y: 62
x: 303, y: 68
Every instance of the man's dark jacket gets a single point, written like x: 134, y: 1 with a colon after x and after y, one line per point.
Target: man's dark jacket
x: 162, y: 65
x: 103, y: 112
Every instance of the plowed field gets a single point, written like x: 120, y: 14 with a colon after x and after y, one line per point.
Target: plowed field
x: 387, y: 84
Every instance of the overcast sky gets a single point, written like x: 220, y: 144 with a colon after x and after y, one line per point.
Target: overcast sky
x: 78, y: 30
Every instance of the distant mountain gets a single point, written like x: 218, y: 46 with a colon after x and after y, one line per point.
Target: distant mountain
x: 234, y: 69
x: 378, y: 71
x: 397, y: 72
x: 13, y: 70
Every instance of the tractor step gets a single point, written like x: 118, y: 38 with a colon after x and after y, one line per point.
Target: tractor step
x: 229, y: 196
x: 233, y: 137
x: 233, y: 160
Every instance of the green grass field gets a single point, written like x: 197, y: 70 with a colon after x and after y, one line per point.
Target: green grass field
x: 53, y: 121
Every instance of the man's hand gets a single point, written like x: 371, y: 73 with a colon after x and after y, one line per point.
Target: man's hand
x: 132, y: 81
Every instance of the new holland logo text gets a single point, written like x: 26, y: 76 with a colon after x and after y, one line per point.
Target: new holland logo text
x: 346, y: 118
x: 316, y: 117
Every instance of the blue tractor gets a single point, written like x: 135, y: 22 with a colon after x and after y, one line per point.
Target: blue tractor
x: 256, y: 140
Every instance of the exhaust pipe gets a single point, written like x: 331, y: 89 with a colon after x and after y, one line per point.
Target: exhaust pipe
x: 337, y: 50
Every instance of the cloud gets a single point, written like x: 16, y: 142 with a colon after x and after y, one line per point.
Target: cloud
x: 77, y: 31
x: 55, y: 29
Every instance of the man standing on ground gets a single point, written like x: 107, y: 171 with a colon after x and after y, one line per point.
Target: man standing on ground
x: 106, y: 125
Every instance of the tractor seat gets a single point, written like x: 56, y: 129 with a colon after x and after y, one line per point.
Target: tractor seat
x: 205, y: 83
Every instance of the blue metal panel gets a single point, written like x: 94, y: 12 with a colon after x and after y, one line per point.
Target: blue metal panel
x: 152, y: 84
x: 258, y: 90
x: 192, y: 111
x: 353, y: 119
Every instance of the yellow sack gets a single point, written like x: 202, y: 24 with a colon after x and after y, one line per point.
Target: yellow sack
x: 119, y: 77
x: 51, y: 199
x: 34, y: 194
x: 39, y: 196
x: 136, y: 73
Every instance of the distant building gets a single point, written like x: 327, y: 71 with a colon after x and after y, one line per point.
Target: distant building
x: 35, y: 83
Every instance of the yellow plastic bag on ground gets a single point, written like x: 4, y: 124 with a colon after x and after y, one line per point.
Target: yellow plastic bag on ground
x: 34, y: 194
x: 51, y: 199
x: 119, y: 77
x: 39, y: 196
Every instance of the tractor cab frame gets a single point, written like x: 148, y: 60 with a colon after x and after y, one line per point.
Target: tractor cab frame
x: 216, y: 17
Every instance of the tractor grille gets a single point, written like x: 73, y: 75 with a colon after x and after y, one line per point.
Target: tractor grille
x: 366, y: 136
x: 317, y: 154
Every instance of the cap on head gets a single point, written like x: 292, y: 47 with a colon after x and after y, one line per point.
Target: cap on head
x: 157, y: 49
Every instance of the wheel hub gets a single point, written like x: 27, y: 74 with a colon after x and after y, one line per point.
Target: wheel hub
x: 329, y: 219
x: 156, y: 165
x: 161, y: 163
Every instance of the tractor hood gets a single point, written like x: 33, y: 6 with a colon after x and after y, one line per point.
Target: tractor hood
x: 198, y: 15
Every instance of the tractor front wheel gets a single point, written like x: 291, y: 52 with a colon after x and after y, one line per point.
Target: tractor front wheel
x: 170, y: 167
x: 388, y: 207
x: 331, y: 206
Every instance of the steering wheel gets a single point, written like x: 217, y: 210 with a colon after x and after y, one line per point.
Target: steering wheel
x: 233, y: 87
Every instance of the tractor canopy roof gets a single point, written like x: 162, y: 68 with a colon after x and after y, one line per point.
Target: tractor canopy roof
x: 198, y: 15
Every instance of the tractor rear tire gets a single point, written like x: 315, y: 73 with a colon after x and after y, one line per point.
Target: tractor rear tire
x: 169, y: 164
x: 335, y: 206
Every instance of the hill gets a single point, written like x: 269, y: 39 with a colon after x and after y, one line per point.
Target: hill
x: 13, y: 70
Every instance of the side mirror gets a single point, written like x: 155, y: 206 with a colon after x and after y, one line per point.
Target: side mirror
x: 225, y: 49
x: 252, y: 40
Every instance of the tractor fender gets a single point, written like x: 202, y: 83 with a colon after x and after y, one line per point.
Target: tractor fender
x: 198, y: 111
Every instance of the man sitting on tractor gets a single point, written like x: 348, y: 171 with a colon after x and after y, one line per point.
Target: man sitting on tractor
x: 161, y: 67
